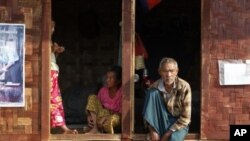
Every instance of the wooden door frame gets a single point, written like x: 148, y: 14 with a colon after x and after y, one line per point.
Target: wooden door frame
x: 128, y: 71
x: 45, y: 80
x: 128, y: 31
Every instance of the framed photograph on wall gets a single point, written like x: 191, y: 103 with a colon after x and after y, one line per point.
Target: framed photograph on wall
x: 12, y: 78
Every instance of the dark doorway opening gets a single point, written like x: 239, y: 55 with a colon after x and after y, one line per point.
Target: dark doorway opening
x: 90, y: 33
x: 172, y: 29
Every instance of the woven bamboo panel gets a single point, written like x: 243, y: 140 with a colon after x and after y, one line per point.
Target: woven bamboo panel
x: 28, y: 99
x: 28, y: 16
x: 36, y: 40
x: 28, y: 45
x: 36, y: 68
x: 24, y: 121
x: 4, y: 15
x: 15, y: 124
x: 28, y: 72
x: 18, y: 123
x: 28, y: 3
x: 227, y: 37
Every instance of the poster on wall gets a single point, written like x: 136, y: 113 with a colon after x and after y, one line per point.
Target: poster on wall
x: 234, y: 72
x: 12, y: 38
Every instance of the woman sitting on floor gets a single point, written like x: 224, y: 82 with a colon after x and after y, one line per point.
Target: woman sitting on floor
x: 104, y: 110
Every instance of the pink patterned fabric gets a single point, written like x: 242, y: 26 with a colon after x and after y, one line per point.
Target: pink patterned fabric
x: 113, y: 104
x: 56, y: 107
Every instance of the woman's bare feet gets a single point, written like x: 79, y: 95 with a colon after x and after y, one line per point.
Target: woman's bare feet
x: 69, y: 131
x: 94, y: 130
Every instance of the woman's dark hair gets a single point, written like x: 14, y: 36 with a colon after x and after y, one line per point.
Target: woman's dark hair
x: 118, y: 72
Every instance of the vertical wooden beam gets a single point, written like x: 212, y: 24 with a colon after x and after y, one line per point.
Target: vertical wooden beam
x: 45, y: 85
x: 14, y: 6
x: 128, y: 33
x: 205, y: 25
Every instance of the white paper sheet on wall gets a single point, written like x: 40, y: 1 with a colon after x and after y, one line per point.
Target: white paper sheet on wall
x: 234, y: 73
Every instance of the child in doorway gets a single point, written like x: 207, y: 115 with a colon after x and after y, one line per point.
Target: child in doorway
x: 57, y: 118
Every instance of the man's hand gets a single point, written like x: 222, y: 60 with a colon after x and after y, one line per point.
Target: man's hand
x: 166, y: 136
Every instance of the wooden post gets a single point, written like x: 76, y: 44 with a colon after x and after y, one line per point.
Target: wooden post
x: 13, y: 5
x: 128, y: 33
x: 205, y: 21
x: 45, y: 90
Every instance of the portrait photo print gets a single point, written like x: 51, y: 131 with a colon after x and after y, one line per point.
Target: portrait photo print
x: 12, y: 41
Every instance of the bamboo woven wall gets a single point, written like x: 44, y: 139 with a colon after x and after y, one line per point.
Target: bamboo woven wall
x: 23, y: 123
x: 225, y: 35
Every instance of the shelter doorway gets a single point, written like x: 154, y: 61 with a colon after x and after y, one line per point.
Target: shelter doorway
x: 172, y: 28
x: 90, y: 33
